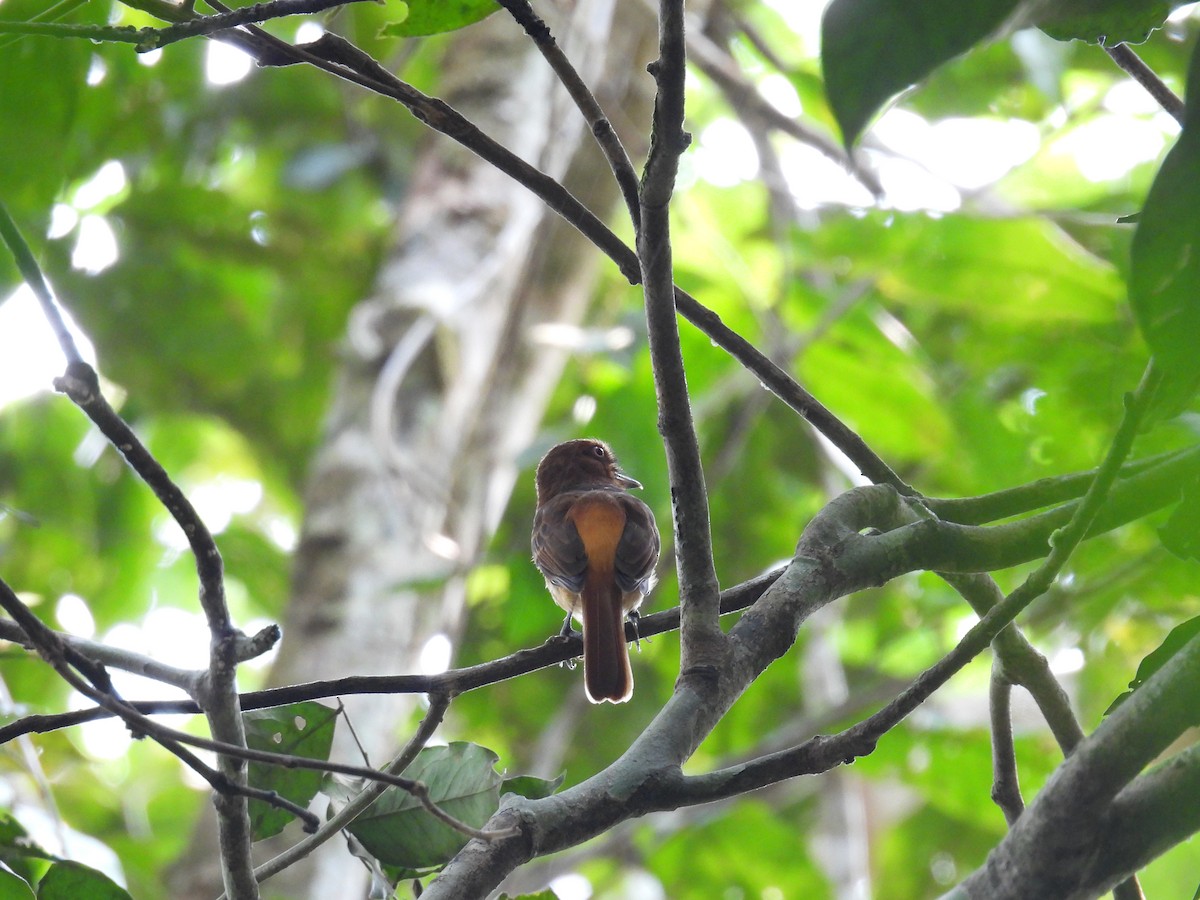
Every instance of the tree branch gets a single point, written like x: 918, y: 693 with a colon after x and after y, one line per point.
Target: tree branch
x: 602, y: 130
x: 1076, y: 840
x: 217, y: 691
x: 146, y: 39
x: 554, y: 651
x: 700, y: 632
x: 1041, y: 493
x: 1006, y: 786
x: 1129, y: 62
x: 745, y: 100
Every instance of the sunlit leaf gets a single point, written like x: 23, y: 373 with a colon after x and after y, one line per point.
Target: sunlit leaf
x: 436, y: 16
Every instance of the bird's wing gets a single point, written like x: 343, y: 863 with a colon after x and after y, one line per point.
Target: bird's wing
x: 637, y: 552
x: 557, y: 549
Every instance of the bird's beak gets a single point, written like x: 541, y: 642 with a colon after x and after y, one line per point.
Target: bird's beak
x: 628, y: 483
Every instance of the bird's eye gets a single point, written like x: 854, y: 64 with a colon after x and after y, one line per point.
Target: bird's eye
x: 599, y: 451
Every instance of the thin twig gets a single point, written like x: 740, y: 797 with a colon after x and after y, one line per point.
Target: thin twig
x: 605, y: 135
x: 219, y: 689
x: 1132, y: 64
x: 1006, y: 786
x: 61, y: 657
x: 787, y: 389
x: 438, y: 703
x: 55, y: 653
x: 32, y: 273
x: 146, y: 39
x: 1041, y: 493
x: 555, y: 650
x: 744, y: 98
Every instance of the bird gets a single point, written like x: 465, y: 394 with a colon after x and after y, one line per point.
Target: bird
x: 597, y: 546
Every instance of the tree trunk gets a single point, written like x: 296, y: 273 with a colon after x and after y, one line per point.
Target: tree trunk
x: 441, y: 386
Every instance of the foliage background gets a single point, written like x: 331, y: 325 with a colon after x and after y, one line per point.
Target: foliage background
x: 977, y: 336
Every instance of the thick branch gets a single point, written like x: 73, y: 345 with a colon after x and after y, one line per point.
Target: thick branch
x: 1061, y: 846
x: 700, y: 633
x: 949, y: 547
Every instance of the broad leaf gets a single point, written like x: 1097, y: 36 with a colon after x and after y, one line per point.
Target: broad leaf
x: 436, y: 16
x: 530, y: 787
x: 75, y: 881
x: 1106, y: 22
x: 874, y: 49
x: 302, y: 729
x: 1179, y: 637
x: 18, y: 851
x: 14, y: 888
x: 399, y: 831
x: 1164, y: 278
x: 1181, y: 533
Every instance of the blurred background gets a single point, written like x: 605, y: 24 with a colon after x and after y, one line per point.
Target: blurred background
x: 350, y: 341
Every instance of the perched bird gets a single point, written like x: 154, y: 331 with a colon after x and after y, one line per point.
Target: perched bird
x: 597, y: 545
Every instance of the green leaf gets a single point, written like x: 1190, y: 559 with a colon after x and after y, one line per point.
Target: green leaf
x: 1104, y: 22
x: 1022, y: 271
x: 1178, y: 638
x: 42, y: 81
x: 14, y: 888
x: 874, y: 49
x: 1164, y: 277
x: 530, y: 787
x: 397, y: 830
x: 302, y: 729
x: 18, y: 852
x: 1181, y: 533
x: 436, y: 16
x: 74, y: 881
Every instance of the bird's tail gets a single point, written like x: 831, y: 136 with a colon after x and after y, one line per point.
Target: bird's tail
x: 606, y: 672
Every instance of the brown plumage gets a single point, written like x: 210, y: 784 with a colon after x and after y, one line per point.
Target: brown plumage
x: 597, y: 545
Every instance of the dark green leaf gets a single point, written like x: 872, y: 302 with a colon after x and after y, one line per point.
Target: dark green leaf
x: 1164, y: 278
x: 1174, y: 642
x: 74, y: 881
x: 1181, y: 533
x: 1107, y: 22
x: 18, y: 851
x: 397, y: 830
x: 436, y: 16
x: 874, y: 49
x: 530, y: 787
x: 303, y: 729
